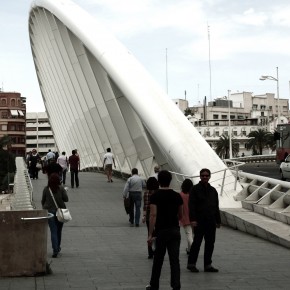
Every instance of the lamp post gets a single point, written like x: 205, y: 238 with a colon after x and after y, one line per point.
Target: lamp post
x: 263, y: 78
x: 230, y: 135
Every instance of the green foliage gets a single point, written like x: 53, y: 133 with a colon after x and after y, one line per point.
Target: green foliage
x: 7, y: 163
x: 222, y: 147
x: 260, y: 139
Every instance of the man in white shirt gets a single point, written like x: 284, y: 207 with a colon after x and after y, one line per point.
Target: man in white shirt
x: 108, y: 164
x: 63, y: 162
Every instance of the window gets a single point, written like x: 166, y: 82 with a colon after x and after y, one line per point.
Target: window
x: 217, y: 133
x: 207, y: 133
x: 262, y: 114
x: 263, y: 107
x: 3, y: 102
x: 232, y: 116
x: 270, y: 107
x: 13, y: 102
x: 4, y: 115
x: 255, y: 107
x: 240, y: 117
x: 224, y: 117
x: 216, y: 124
x: 226, y: 133
x: 235, y: 133
x: 244, y: 133
x: 4, y: 127
x: 215, y: 116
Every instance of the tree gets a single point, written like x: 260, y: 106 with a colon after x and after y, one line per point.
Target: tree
x: 7, y: 163
x: 222, y: 147
x: 187, y: 112
x: 260, y: 139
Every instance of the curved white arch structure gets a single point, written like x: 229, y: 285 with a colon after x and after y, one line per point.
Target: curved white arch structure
x: 97, y: 95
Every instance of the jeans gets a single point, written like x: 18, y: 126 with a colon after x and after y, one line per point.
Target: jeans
x: 74, y: 177
x: 135, y: 199
x: 167, y: 239
x: 205, y: 229
x: 55, y: 230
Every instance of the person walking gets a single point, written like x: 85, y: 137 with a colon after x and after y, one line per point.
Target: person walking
x: 63, y: 162
x: 60, y: 196
x: 204, y: 215
x: 151, y: 185
x: 53, y: 167
x: 133, y: 188
x: 34, y: 158
x: 108, y: 162
x: 184, y: 221
x: 165, y: 210
x: 74, y: 165
x: 50, y: 156
x: 156, y: 171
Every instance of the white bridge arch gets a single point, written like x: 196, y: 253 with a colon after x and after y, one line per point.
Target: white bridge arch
x: 97, y: 95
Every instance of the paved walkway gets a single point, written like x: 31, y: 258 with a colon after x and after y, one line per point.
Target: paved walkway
x: 100, y: 250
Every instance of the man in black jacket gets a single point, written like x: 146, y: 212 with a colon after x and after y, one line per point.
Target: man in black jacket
x: 204, y: 217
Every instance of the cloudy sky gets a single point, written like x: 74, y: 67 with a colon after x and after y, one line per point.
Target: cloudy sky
x: 247, y: 39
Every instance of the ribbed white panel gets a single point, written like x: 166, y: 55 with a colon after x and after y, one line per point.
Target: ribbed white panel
x: 97, y: 95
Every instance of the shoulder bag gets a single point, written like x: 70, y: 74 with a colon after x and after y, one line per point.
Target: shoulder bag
x: 63, y: 215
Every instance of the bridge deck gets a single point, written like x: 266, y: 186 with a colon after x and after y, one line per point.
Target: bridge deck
x: 101, y: 251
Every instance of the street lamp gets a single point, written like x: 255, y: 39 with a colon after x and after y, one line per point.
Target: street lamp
x: 230, y: 135
x: 263, y: 78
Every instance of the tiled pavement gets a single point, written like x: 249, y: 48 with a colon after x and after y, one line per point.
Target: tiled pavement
x: 101, y: 251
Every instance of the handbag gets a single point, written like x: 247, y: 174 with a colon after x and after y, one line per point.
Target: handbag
x: 63, y: 215
x: 127, y: 204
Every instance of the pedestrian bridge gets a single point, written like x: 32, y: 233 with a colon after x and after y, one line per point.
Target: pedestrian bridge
x: 97, y: 95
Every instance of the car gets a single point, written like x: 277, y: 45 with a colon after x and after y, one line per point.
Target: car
x: 285, y: 168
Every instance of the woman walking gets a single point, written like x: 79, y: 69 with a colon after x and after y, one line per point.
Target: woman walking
x: 60, y: 195
x: 184, y: 221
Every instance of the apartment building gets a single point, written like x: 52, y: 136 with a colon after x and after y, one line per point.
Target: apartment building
x: 12, y: 120
x: 39, y: 134
x: 247, y: 113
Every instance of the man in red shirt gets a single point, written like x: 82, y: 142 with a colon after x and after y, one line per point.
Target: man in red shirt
x: 74, y: 164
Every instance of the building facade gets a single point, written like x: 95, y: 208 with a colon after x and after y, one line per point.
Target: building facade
x: 12, y: 120
x: 39, y: 134
x: 247, y: 113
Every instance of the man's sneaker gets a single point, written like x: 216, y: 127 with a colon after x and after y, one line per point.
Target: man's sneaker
x: 210, y: 269
x: 192, y: 268
x: 148, y: 287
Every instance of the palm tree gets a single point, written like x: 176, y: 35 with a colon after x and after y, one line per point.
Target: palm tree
x: 260, y: 139
x: 222, y: 147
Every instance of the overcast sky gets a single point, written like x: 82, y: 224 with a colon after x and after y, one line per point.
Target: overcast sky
x: 247, y: 39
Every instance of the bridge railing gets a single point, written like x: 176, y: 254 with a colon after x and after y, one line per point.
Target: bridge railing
x: 216, y: 177
x: 256, y: 158
x: 22, y: 197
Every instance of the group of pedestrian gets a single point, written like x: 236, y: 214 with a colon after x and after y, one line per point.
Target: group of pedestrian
x: 196, y: 209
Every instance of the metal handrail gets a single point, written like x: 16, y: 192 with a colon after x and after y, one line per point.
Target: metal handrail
x: 235, y: 164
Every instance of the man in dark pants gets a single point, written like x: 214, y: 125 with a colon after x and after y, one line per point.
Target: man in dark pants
x: 165, y: 211
x: 74, y: 164
x: 204, y: 217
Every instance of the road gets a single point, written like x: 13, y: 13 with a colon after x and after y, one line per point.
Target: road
x: 268, y: 169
